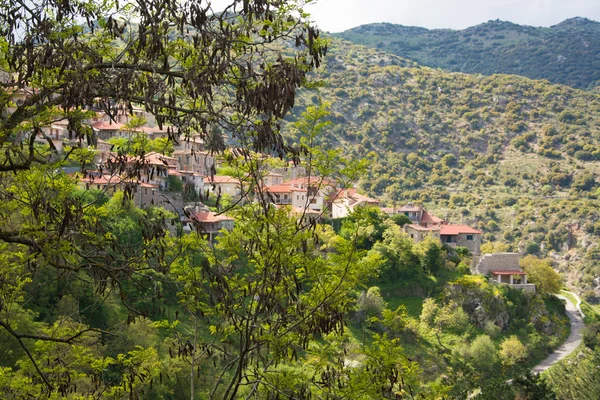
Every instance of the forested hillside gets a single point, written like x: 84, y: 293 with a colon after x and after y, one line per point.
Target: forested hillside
x: 516, y: 157
x: 566, y: 53
x: 199, y: 294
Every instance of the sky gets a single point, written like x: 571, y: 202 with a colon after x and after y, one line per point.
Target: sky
x: 339, y: 15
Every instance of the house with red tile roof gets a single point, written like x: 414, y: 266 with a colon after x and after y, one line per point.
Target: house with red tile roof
x: 451, y: 235
x: 208, y: 223
x: 461, y: 235
x: 502, y: 268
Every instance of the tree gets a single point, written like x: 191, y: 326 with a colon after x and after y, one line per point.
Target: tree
x: 370, y: 303
x: 396, y: 249
x: 540, y: 272
x: 482, y: 353
x: 494, y: 247
x: 512, y: 351
x: 196, y: 71
x: 431, y: 255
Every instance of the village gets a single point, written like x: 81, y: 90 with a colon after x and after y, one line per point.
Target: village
x: 191, y: 168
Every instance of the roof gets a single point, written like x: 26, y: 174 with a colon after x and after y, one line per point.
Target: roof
x: 279, y: 189
x: 360, y: 198
x: 159, y: 159
x: 409, y: 207
x: 107, y: 126
x: 101, y: 180
x: 220, y: 179
x: 208, y: 217
x: 508, y: 272
x: 155, y: 129
x: 457, y: 230
x: 418, y: 227
x: 352, y: 194
x: 313, y: 180
x: 430, y: 218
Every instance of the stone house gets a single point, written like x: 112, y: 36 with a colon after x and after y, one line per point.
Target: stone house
x: 461, y: 235
x: 198, y: 161
x: 425, y: 223
x: 502, y: 268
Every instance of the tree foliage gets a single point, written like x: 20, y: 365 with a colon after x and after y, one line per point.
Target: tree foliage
x: 541, y: 273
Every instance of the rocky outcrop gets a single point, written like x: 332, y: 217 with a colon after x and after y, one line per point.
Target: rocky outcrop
x: 480, y: 303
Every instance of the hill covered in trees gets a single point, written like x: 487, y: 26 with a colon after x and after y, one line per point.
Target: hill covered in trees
x: 515, y: 157
x: 565, y: 53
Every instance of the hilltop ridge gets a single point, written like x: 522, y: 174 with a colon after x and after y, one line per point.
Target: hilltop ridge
x: 565, y: 53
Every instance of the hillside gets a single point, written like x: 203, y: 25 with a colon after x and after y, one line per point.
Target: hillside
x: 515, y: 157
x: 566, y: 53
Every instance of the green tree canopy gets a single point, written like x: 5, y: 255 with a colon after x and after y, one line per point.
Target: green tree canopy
x: 540, y: 272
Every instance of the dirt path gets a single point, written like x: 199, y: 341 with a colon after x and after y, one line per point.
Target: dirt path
x: 571, y: 343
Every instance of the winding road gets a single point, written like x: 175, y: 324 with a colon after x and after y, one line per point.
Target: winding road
x: 574, y: 340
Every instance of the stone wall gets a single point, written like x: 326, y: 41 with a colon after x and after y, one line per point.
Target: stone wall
x: 417, y: 235
x: 496, y: 261
x: 473, y: 245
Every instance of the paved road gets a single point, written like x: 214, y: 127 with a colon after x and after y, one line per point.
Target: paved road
x: 572, y: 342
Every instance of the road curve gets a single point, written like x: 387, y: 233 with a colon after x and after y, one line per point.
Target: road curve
x: 571, y: 343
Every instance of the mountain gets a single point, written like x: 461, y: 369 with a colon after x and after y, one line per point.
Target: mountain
x: 566, y: 53
x: 516, y: 157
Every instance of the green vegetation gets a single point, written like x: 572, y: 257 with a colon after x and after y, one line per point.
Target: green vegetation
x: 564, y: 53
x: 514, y: 170
x: 101, y: 299
x: 577, y: 375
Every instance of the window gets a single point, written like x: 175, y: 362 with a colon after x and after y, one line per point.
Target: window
x: 469, y: 237
x: 412, y: 236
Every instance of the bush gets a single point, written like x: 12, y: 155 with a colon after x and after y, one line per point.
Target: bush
x: 532, y: 248
x: 370, y: 304
x: 512, y: 351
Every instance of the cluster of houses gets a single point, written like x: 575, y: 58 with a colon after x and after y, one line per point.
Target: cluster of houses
x: 149, y: 179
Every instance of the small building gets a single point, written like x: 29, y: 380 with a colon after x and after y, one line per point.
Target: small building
x: 208, y: 223
x: 461, y: 235
x: 272, y: 179
x: 345, y: 201
x: 224, y: 184
x: 413, y: 212
x: 502, y: 268
x: 417, y: 232
x: 425, y: 223
x: 317, y: 191
x: 198, y: 161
